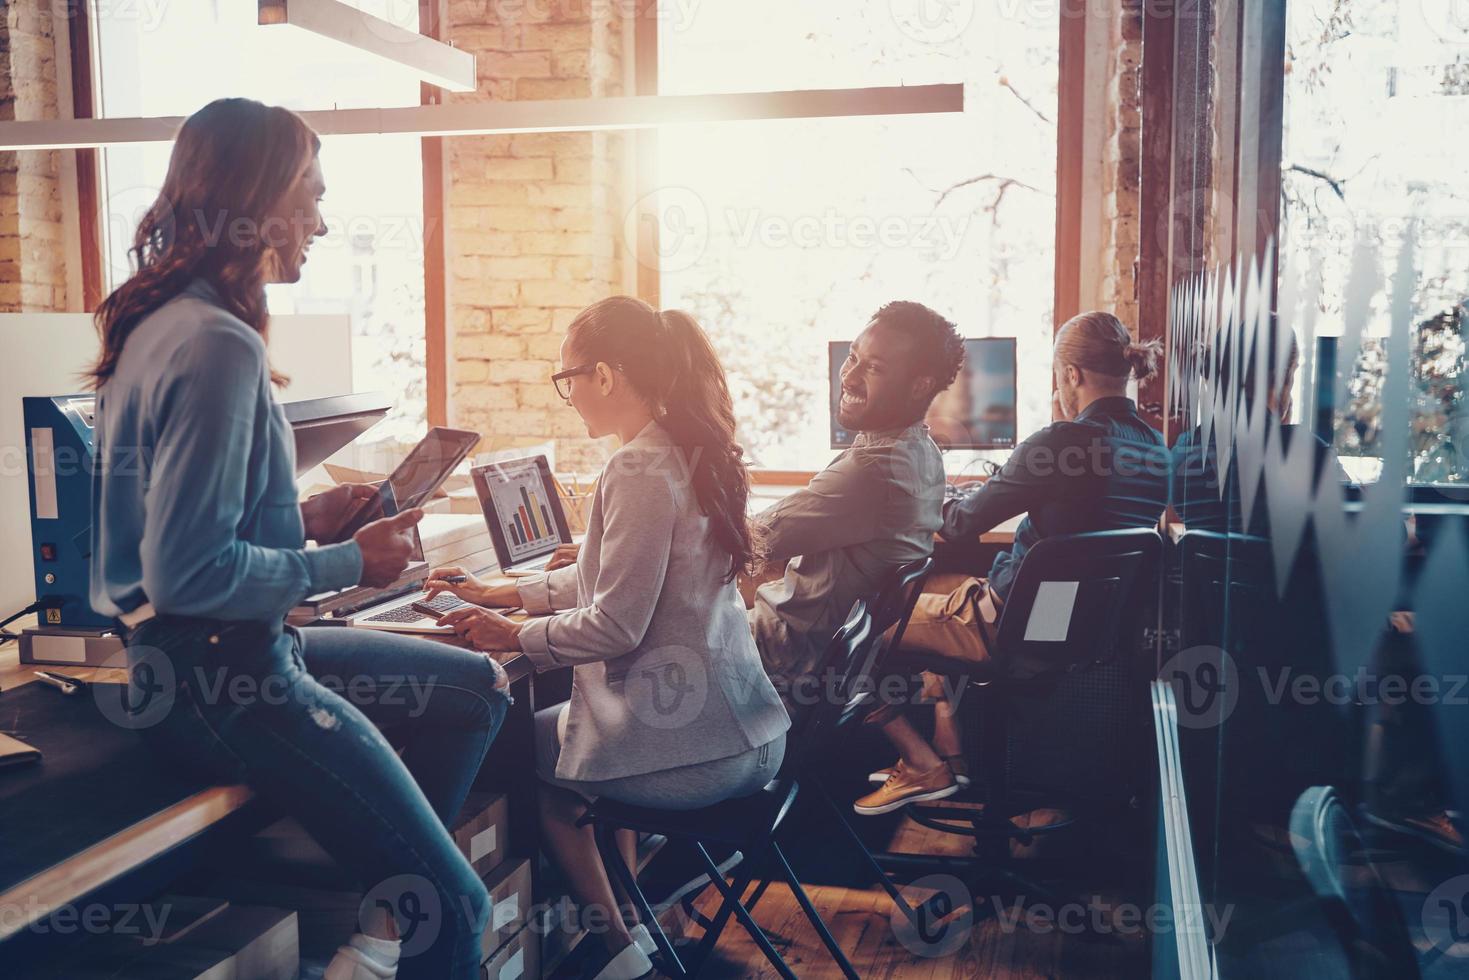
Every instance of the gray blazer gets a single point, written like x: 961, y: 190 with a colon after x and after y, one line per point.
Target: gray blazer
x: 667, y: 673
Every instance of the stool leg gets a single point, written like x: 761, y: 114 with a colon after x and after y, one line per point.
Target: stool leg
x: 732, y: 896
x: 713, y: 929
x: 813, y: 915
x: 606, y: 836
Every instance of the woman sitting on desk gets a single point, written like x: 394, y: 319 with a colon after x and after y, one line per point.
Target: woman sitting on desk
x: 199, y: 550
x: 669, y: 704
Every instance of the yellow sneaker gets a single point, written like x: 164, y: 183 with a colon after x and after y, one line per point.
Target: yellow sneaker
x: 905, y: 786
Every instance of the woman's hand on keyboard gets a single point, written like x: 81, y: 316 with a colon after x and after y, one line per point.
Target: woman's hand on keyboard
x: 563, y: 556
x: 471, y: 589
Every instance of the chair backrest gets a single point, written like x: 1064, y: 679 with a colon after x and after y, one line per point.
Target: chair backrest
x: 891, y: 609
x: 1220, y: 573
x: 1073, y: 598
x: 1353, y: 897
x: 893, y: 605
x: 841, y: 663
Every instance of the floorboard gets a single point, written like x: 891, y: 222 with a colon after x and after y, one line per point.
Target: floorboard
x: 861, y: 919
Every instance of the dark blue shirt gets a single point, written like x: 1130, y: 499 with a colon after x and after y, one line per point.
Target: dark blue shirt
x: 1105, y: 470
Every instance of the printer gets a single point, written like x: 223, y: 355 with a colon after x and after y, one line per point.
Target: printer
x: 60, y: 457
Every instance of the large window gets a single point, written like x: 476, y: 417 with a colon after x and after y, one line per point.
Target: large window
x: 783, y: 236
x: 1374, y: 91
x: 370, y: 265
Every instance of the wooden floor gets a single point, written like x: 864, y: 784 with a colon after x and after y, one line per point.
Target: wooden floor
x: 862, y: 922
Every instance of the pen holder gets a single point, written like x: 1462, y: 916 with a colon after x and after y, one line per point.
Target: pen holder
x: 577, y: 502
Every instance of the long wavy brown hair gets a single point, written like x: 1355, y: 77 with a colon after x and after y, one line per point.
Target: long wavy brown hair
x: 670, y: 362
x: 232, y: 162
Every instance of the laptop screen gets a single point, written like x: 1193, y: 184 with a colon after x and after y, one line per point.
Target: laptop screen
x: 522, y: 509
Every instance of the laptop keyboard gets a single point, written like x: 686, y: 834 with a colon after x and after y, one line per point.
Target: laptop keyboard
x: 441, y: 603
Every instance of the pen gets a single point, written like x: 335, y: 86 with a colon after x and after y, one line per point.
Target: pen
x: 66, y: 685
x: 456, y: 579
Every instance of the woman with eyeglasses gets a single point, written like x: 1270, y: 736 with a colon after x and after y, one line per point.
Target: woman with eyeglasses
x: 669, y: 707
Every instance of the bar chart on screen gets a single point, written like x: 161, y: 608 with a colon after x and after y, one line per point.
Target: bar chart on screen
x: 518, y: 493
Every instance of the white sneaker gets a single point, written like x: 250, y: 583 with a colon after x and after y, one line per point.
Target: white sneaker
x: 643, y: 939
x: 364, y: 958
x: 630, y: 964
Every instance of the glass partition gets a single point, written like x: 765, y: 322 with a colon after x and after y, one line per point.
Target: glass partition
x: 1319, y: 561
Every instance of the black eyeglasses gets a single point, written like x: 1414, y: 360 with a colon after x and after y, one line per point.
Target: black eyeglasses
x: 562, y: 379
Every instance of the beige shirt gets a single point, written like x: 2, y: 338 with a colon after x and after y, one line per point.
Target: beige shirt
x: 876, y: 507
x: 666, y: 672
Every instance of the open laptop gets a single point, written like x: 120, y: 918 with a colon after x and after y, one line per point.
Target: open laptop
x: 414, y: 480
x: 524, y: 512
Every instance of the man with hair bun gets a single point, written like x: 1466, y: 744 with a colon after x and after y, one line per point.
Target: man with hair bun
x: 1100, y: 467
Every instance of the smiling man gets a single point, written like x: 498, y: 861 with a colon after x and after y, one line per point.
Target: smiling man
x: 874, y: 508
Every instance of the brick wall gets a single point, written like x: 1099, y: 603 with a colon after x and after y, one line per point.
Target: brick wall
x: 32, y: 254
x: 534, y: 221
x: 1121, y: 163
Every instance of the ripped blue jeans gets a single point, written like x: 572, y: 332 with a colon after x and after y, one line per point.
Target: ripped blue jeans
x: 296, y: 714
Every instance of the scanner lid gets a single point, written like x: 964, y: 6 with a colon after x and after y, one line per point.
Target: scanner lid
x: 325, y: 425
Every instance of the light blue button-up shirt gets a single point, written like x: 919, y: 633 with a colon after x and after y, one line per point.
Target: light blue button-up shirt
x: 194, y: 503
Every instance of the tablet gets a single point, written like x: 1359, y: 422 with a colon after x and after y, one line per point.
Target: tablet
x: 421, y: 473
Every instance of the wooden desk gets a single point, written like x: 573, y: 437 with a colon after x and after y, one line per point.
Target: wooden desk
x: 98, y: 807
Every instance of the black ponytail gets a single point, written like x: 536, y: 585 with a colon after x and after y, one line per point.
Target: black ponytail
x: 670, y: 362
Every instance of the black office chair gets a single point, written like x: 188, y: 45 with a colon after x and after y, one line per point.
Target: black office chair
x: 1075, y: 644
x: 751, y: 823
x: 1356, y: 903
x: 891, y: 609
x: 1258, y: 757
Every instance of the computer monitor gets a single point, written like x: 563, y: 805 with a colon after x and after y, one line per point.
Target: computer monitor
x: 976, y: 412
x: 325, y: 425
